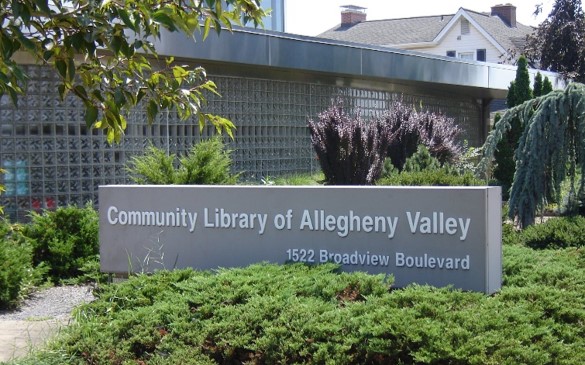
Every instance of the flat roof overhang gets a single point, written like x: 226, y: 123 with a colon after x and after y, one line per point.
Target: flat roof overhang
x: 265, y: 54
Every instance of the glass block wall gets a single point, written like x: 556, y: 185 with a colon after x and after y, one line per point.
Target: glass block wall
x: 52, y: 160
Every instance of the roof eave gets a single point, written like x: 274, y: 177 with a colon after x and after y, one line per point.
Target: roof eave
x: 416, y: 45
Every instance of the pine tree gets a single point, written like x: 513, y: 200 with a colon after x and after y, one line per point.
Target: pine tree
x: 522, y: 92
x: 546, y: 86
x: 550, y: 150
x: 537, y: 91
x: 518, y: 92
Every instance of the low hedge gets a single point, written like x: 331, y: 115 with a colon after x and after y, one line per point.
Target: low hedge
x: 436, y: 177
x: 557, y: 232
x: 268, y: 314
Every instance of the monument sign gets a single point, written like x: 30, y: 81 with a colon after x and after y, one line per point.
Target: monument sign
x: 429, y: 235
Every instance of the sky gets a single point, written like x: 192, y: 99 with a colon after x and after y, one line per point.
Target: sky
x: 313, y: 17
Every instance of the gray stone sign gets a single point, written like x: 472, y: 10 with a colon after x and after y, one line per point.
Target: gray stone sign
x: 428, y: 235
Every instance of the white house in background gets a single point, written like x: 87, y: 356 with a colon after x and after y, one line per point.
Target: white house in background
x: 490, y: 37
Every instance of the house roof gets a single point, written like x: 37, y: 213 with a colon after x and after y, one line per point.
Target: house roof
x: 426, y: 29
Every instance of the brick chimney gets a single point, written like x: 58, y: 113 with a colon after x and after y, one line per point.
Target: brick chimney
x: 351, y: 14
x: 506, y: 12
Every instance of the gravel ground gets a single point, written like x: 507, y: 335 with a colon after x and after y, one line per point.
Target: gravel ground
x: 51, y: 303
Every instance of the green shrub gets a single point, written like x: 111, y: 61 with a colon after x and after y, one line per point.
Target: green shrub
x: 422, y: 169
x: 555, y: 233
x: 438, y: 177
x: 16, y: 272
x: 510, y: 235
x: 64, y: 240
x: 208, y: 162
x: 421, y: 160
x: 270, y: 314
x: 155, y: 167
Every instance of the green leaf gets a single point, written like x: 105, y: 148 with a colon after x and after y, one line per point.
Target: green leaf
x: 13, y: 95
x: 111, y: 135
x: 151, y: 111
x: 201, y: 122
x: 71, y: 70
x: 126, y: 19
x: 61, y: 68
x: 47, y: 55
x: 62, y: 91
x: 119, y: 98
x: 77, y: 41
x: 43, y: 5
x: 169, y: 60
x: 80, y: 90
x: 91, y: 114
x: 115, y: 44
x: 98, y: 95
x: 16, y: 8
x: 163, y: 18
x: 141, y: 93
x: 26, y: 42
x: 123, y: 123
x: 25, y: 15
x: 206, y: 28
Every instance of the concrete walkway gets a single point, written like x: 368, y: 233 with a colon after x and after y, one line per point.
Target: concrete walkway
x: 18, y: 338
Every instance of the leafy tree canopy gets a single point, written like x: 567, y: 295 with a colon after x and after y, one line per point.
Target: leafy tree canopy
x: 104, y: 53
x: 559, y: 43
x: 551, y: 149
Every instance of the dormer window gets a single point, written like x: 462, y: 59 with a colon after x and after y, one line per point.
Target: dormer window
x: 464, y: 26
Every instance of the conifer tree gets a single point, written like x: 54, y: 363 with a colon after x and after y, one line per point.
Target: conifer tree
x: 553, y: 141
x: 537, y: 90
x: 518, y: 92
x: 546, y: 86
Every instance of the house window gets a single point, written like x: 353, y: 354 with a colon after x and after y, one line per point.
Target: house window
x: 481, y: 55
x: 451, y: 54
x: 467, y: 56
x: 464, y: 26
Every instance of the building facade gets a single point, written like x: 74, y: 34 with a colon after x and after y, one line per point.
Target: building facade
x: 271, y: 85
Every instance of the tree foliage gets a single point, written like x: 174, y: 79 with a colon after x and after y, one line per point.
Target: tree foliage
x: 104, y: 53
x: 558, y: 44
x: 550, y: 150
x: 351, y: 151
x: 538, y: 85
x: 518, y: 92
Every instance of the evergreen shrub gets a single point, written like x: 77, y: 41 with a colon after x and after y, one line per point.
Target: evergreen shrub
x: 285, y: 314
x: 421, y: 160
x: 65, y: 240
x: 351, y: 151
x: 556, y: 232
x: 519, y: 91
x: 207, y: 163
x: 16, y: 271
x: 438, y: 177
x: 421, y: 169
